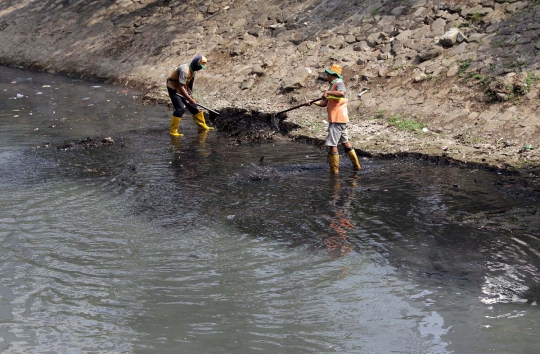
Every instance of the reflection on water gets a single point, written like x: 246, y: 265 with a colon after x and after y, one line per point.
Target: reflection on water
x: 173, y: 245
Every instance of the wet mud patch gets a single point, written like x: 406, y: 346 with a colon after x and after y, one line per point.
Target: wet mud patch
x: 83, y: 144
x: 245, y: 126
x: 90, y: 157
x: 261, y: 173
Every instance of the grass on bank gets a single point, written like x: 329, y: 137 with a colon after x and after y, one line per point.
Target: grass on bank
x: 407, y: 124
x: 399, y: 122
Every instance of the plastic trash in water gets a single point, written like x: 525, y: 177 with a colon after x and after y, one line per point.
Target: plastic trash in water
x: 19, y: 95
x: 46, y: 86
x: 85, y: 99
x: 95, y: 87
x: 39, y: 93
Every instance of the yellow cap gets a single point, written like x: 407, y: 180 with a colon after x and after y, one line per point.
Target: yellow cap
x: 335, y: 70
x: 203, y: 60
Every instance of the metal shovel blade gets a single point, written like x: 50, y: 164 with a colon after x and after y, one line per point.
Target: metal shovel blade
x: 275, y: 120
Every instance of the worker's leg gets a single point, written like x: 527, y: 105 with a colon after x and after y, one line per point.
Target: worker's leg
x: 179, y: 110
x: 198, y: 116
x: 352, y: 155
x: 331, y: 142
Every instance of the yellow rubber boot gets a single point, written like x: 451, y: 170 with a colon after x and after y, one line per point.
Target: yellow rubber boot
x: 199, y: 119
x: 354, y: 160
x: 333, y: 161
x: 175, y: 123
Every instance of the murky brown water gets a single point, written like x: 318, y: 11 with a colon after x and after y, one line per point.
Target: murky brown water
x: 160, y: 246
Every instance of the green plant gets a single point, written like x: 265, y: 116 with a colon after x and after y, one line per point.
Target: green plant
x: 378, y: 115
x: 490, y: 94
x: 497, y: 44
x: 512, y: 91
x: 440, y: 76
x: 408, y: 124
x: 531, y: 79
x: 463, y: 66
x: 477, y: 16
x: 374, y: 12
x: 482, y: 79
x: 510, y: 64
x: 471, y: 137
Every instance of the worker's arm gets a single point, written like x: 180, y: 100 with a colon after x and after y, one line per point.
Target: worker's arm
x: 322, y: 103
x: 334, y: 93
x: 185, y: 92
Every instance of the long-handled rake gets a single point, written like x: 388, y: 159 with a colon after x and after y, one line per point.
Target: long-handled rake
x: 275, y: 116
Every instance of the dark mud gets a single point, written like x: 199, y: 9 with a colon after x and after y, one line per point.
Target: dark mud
x: 244, y: 126
x: 259, y: 172
x: 87, y: 143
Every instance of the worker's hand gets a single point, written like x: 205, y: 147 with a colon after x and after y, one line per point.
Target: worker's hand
x: 308, y: 103
x: 325, y: 94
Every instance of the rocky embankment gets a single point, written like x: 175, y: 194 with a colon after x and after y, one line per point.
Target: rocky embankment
x: 453, y: 80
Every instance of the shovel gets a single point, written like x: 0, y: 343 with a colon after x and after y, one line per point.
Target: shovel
x: 200, y: 105
x: 275, y: 116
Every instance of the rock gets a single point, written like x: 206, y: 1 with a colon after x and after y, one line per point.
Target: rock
x: 430, y: 52
x: 398, y: 11
x: 212, y: 9
x: 296, y: 81
x: 257, y: 70
x: 372, y: 39
x: 255, y: 31
x: 239, y: 23
x: 404, y: 35
x: 437, y: 27
x: 449, y: 38
x: 350, y: 39
x: 248, y: 84
x: 278, y: 31
x: 420, y: 77
x: 238, y: 50
x: 364, y: 47
x: 460, y: 49
x: 383, y: 56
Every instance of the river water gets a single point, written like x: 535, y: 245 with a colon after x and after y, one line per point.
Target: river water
x: 156, y: 245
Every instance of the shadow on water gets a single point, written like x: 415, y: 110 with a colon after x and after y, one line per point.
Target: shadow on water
x: 456, y: 240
